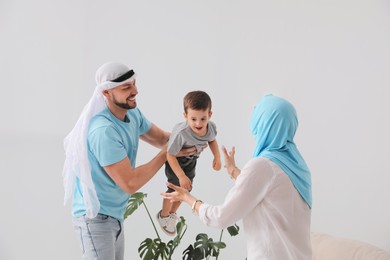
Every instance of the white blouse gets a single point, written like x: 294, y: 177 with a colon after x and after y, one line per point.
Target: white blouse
x: 276, y: 219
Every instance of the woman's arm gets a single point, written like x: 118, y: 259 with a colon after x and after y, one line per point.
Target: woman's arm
x: 250, y: 188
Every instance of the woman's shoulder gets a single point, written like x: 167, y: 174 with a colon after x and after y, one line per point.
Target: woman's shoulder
x: 258, y: 170
x: 258, y: 162
x: 262, y: 165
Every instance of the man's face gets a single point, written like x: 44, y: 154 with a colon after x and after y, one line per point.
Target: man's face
x: 198, y: 120
x: 124, y: 95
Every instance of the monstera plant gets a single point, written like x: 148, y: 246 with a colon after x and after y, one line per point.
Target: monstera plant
x: 155, y: 249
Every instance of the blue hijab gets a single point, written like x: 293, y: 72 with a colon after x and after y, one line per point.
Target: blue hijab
x: 274, y: 123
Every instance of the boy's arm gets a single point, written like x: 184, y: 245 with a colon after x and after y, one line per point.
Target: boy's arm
x: 184, y: 181
x: 217, y: 156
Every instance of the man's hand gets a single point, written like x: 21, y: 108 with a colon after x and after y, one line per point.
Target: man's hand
x: 186, y: 152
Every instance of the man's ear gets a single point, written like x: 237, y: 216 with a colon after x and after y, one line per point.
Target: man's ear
x: 105, y: 92
x: 185, y: 115
x: 210, y: 113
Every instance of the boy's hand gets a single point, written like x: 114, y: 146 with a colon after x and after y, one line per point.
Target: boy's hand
x: 217, y: 164
x: 185, y: 183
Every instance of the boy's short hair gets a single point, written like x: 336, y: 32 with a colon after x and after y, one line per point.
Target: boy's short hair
x: 197, y: 100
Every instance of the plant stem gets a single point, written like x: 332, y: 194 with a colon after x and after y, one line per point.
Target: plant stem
x: 220, y: 239
x: 150, y: 217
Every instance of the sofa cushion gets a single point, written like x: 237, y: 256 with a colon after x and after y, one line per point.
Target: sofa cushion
x: 326, y: 247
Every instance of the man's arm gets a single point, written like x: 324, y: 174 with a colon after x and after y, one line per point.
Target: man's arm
x: 131, y: 179
x: 155, y: 136
x: 158, y: 138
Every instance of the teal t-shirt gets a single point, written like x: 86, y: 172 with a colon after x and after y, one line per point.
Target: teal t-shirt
x: 109, y: 141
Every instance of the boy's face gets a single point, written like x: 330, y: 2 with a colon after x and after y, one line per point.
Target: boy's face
x: 198, y: 120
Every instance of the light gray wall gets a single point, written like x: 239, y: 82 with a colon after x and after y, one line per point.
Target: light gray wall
x: 330, y: 58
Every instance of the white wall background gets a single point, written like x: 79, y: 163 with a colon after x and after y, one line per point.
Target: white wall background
x: 330, y: 58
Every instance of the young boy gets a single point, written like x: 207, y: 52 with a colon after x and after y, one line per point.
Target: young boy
x: 196, y: 131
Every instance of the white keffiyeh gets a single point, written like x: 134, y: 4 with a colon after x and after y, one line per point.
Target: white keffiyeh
x: 108, y: 76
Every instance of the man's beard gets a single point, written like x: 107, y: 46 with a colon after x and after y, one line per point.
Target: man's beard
x: 124, y: 105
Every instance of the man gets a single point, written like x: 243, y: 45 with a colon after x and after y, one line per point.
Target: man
x: 99, y: 171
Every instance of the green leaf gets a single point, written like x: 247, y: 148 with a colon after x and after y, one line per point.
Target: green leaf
x: 202, y: 237
x: 203, y: 247
x: 153, y: 249
x: 188, y: 253
x: 146, y: 249
x: 181, y: 228
x: 233, y: 230
x: 199, y: 253
x: 134, y: 202
x: 214, y: 248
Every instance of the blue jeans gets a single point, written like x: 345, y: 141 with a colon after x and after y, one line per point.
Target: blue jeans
x: 101, y: 238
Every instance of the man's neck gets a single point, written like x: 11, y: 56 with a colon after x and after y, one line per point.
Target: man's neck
x: 118, y: 112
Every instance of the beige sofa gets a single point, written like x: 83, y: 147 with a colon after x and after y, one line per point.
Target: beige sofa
x: 326, y: 247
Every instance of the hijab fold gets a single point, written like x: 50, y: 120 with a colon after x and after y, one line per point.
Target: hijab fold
x: 274, y: 123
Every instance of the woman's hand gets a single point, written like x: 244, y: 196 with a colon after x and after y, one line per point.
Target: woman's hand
x: 230, y: 163
x: 229, y: 158
x: 180, y: 194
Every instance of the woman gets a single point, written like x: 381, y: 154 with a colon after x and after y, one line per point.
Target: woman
x: 272, y: 192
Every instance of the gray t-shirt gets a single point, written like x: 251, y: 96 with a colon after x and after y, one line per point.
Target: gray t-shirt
x: 182, y: 136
